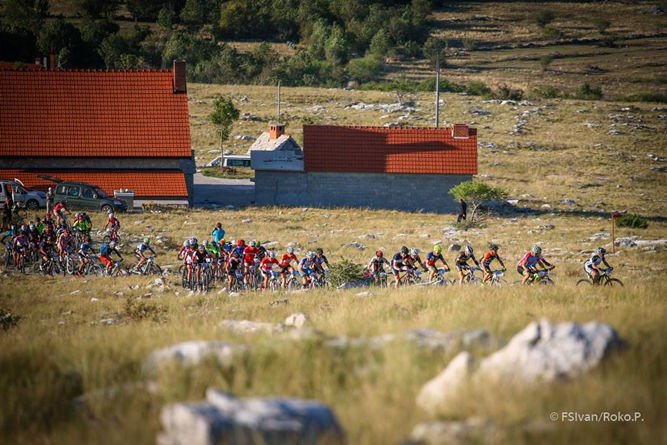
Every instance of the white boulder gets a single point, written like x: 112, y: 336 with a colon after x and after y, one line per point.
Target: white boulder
x: 445, y: 387
x: 192, y: 353
x: 223, y: 418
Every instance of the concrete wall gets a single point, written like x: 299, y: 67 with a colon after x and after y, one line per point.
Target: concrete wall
x: 411, y: 192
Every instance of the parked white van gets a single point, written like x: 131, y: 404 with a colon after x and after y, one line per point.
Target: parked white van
x: 31, y: 199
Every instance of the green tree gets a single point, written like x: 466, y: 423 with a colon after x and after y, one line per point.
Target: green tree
x: 475, y: 193
x: 96, y: 8
x: 223, y: 116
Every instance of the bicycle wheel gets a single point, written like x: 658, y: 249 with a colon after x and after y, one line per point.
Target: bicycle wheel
x: 614, y: 282
x: 547, y: 281
x: 584, y: 281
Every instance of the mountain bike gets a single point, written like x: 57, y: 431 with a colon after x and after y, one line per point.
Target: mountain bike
x: 471, y: 278
x: 605, y: 279
x: 148, y: 268
x: 540, y: 277
x: 497, y: 278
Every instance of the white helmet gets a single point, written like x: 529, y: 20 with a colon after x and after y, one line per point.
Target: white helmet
x: 112, y: 244
x: 272, y: 254
x: 290, y: 250
x: 110, y: 214
x: 414, y: 251
x: 468, y: 250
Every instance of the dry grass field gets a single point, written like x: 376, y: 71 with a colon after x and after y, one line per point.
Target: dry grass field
x: 571, y: 162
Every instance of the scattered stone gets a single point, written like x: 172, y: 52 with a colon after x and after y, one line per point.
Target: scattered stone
x: 234, y: 294
x: 365, y: 294
x: 454, y: 247
x: 541, y: 352
x: 94, y: 300
x: 247, y: 326
x: 107, y: 321
x: 569, y: 202
x: 275, y: 303
x: 246, y: 221
x: 192, y: 353
x: 545, y: 206
x: 75, y: 292
x: 625, y: 242
x: 298, y: 320
x: 223, y: 418
x: 547, y: 227
x: 356, y: 245
x: 447, y: 342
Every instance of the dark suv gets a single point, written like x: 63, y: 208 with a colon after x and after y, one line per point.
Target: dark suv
x: 82, y: 196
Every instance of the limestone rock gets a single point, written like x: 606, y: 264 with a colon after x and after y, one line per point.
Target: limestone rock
x: 247, y: 326
x: 471, y: 430
x: 191, y: 353
x: 446, y: 386
x: 223, y: 418
x: 298, y: 320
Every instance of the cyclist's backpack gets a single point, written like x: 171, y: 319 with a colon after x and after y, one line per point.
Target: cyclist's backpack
x: 104, y: 249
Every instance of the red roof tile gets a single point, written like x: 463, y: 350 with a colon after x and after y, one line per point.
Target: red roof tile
x: 389, y: 150
x: 92, y: 114
x: 144, y: 183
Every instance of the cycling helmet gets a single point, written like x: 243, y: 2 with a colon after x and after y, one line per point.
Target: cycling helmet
x: 227, y: 247
x: 536, y: 249
x: 468, y: 250
x: 319, y: 251
x: 253, y: 243
x: 414, y: 251
x: 437, y: 249
x: 240, y: 242
x: 493, y: 247
x: 77, y: 214
x: 186, y: 243
x: 310, y: 255
x: 200, y: 248
x: 404, y: 250
x: 193, y: 241
x: 147, y: 241
x: 110, y: 214
x: 32, y: 227
x: 218, y: 225
x: 290, y: 250
x: 601, y: 250
x: 272, y: 254
x: 378, y: 253
x: 205, y: 243
x: 112, y: 244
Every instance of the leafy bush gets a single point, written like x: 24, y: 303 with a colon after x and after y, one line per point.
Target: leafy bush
x: 344, y: 271
x: 475, y: 193
x: 648, y: 97
x: 601, y: 24
x: 588, y: 92
x: 546, y: 60
x: 632, y: 221
x: 544, y: 17
x: 365, y: 68
x: 7, y: 319
x: 546, y: 92
x: 140, y: 310
x: 505, y: 92
x: 478, y: 88
x: 553, y: 33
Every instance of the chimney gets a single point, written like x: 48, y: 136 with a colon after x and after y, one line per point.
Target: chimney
x: 276, y: 131
x: 460, y: 131
x: 52, y: 60
x: 180, y: 85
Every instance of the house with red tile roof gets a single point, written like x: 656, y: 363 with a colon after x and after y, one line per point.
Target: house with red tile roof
x: 117, y: 130
x: 405, y: 168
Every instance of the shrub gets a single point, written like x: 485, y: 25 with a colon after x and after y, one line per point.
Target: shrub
x: 344, y: 271
x: 601, y: 24
x: 544, y: 17
x: 478, y: 88
x: 546, y: 92
x: 546, y: 60
x: 552, y: 33
x: 475, y: 193
x: 505, y: 92
x: 7, y: 319
x: 648, y: 97
x: 632, y: 221
x: 365, y: 68
x: 140, y: 310
x: 588, y: 92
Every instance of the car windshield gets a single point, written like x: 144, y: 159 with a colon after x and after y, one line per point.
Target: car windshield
x: 100, y: 193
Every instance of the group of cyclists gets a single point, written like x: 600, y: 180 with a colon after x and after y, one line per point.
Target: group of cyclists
x: 235, y: 261
x: 252, y: 265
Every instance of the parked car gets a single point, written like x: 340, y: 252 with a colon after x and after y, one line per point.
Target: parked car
x: 31, y: 199
x: 82, y: 196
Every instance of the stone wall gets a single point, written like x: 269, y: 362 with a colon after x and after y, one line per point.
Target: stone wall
x: 411, y: 192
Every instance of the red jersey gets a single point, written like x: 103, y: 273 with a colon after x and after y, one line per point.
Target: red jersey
x: 267, y: 263
x: 287, y: 258
x: 60, y: 206
x: 249, y: 254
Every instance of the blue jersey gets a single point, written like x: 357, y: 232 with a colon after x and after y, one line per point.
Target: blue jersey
x: 218, y: 235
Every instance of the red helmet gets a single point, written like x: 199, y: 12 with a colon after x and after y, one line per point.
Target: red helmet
x: 378, y: 253
x: 240, y: 242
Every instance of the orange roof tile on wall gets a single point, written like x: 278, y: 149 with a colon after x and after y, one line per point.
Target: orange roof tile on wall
x: 92, y: 114
x: 144, y: 183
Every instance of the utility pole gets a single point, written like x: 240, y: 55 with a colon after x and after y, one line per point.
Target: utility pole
x: 437, y: 89
x: 278, y: 103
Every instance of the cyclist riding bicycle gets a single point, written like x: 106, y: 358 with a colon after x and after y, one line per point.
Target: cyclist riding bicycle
x: 461, y: 263
x: 319, y: 260
x: 199, y: 262
x: 233, y: 265
x: 488, y: 257
x: 376, y: 266
x: 266, y: 267
x: 400, y: 263
x: 106, y: 250
x: 306, y: 268
x: 113, y: 225
x: 19, y: 246
x: 218, y: 233
x: 44, y: 248
x: 526, y: 266
x: 85, y: 249
x: 249, y: 254
x: 431, y: 260
x: 592, y: 265
x: 59, y: 212
x: 82, y: 225
x: 139, y: 252
x: 64, y: 244
x: 415, y: 258
x: 286, y: 265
